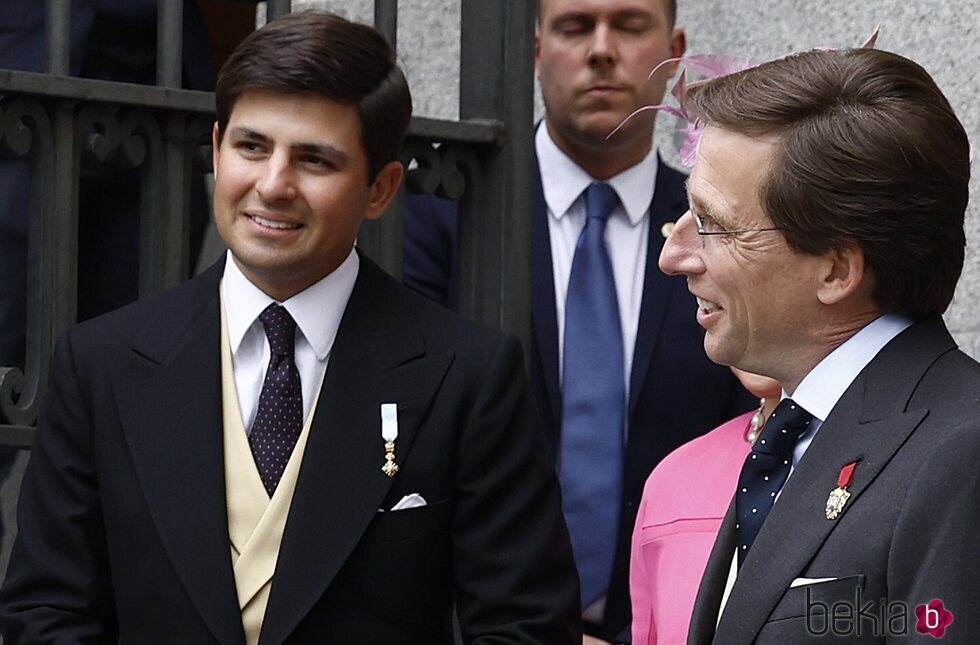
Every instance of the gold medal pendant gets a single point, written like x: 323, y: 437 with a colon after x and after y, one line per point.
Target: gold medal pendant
x: 389, y: 432
x: 839, y: 496
x: 835, y: 502
x: 390, y: 467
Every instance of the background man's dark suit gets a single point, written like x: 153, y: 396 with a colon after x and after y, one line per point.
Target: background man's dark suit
x: 909, y: 531
x: 128, y: 457
x: 676, y: 393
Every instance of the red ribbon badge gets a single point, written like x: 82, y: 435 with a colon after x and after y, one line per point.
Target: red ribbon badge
x: 846, y: 475
x: 839, y: 496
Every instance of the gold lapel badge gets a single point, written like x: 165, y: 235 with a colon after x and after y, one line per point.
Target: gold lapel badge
x: 389, y: 432
x: 667, y: 229
x: 839, y: 496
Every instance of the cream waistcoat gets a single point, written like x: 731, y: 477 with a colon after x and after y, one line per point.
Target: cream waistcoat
x: 255, y: 522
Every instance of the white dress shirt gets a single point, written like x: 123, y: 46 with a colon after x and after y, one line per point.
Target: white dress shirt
x: 317, y: 311
x: 825, y: 384
x: 626, y: 234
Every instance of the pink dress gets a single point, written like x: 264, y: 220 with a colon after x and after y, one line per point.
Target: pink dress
x: 684, y: 501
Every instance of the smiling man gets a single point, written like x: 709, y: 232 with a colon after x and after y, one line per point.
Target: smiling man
x: 617, y: 366
x: 292, y: 447
x: 824, y: 241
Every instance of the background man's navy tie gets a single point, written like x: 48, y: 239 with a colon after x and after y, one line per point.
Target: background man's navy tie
x: 765, y: 471
x: 279, y: 418
x: 593, y: 401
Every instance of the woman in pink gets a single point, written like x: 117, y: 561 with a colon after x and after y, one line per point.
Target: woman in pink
x: 684, y: 501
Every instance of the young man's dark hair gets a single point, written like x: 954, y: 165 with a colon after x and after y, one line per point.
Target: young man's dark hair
x: 870, y: 152
x: 324, y: 54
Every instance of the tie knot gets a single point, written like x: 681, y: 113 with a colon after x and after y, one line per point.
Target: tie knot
x: 784, y: 427
x: 280, y: 328
x: 600, y: 200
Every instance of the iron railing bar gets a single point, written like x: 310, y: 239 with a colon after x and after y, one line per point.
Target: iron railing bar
x: 57, y: 21
x: 170, y: 42
x: 85, y: 89
x: 496, y: 82
x: 19, y: 437
x: 386, y: 20
x: 277, y: 8
x: 476, y: 130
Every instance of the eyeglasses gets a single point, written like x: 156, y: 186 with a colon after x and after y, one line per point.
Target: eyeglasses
x: 702, y: 231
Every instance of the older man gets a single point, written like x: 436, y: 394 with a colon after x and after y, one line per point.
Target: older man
x: 824, y: 241
x: 617, y: 367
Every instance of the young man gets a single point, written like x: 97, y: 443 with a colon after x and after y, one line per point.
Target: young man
x: 824, y: 241
x: 292, y: 447
x: 639, y: 365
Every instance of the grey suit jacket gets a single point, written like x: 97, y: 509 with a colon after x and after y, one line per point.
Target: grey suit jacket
x: 907, y: 535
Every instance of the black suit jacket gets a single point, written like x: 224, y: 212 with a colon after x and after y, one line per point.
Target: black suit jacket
x: 676, y: 393
x: 908, y: 533
x: 123, y: 526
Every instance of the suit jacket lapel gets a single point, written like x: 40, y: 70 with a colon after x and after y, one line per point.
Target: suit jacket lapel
x: 669, y: 203
x: 378, y: 357
x: 797, y: 526
x: 168, y: 390
x: 544, y: 318
x: 704, y: 616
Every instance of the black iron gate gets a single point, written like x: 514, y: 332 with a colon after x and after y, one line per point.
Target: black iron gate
x: 53, y: 120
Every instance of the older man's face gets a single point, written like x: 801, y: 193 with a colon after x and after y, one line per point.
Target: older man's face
x: 756, y: 297
x: 592, y: 59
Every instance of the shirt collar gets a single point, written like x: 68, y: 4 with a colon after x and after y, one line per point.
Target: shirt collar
x: 826, y: 383
x: 563, y: 180
x: 317, y: 309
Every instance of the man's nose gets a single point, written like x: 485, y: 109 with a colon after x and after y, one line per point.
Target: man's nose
x: 277, y: 181
x: 681, y: 254
x: 602, y: 47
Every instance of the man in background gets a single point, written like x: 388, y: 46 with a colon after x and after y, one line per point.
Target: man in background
x: 617, y: 366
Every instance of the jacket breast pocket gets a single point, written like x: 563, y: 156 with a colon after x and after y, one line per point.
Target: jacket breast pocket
x: 410, y: 523
x: 816, y: 600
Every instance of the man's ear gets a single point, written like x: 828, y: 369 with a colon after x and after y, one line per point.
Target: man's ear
x: 678, y: 45
x: 384, y: 189
x: 844, y: 275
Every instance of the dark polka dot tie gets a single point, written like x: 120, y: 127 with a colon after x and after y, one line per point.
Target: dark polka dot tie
x: 279, y: 418
x: 765, y: 471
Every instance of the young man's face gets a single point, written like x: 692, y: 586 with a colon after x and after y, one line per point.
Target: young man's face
x: 291, y: 187
x: 757, y: 297
x: 592, y: 59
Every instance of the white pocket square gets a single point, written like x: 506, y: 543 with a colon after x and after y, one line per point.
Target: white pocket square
x: 803, y: 582
x: 409, y: 501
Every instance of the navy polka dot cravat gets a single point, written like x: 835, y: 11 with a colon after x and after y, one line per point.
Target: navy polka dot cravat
x: 765, y: 471
x: 279, y: 418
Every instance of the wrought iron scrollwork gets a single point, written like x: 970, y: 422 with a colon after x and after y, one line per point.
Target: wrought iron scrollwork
x: 441, y: 170
x: 97, y: 132
x: 25, y: 131
x: 426, y: 176
x: 140, y: 138
x: 21, y: 116
x: 459, y: 161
